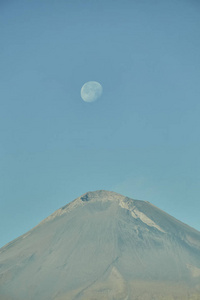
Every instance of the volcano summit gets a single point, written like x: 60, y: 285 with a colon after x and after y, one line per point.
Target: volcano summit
x: 106, y: 246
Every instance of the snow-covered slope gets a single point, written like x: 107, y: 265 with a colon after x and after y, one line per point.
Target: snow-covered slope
x: 103, y: 245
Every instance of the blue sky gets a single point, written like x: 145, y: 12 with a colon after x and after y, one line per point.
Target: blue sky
x: 141, y: 138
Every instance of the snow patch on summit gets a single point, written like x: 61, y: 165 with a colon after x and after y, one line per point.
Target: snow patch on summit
x: 140, y: 215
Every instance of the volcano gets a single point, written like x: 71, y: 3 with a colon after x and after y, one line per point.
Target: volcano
x: 107, y: 246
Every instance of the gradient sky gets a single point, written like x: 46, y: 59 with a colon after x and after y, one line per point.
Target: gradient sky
x: 141, y: 138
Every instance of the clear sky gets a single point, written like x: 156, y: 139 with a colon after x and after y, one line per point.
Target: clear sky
x: 141, y: 138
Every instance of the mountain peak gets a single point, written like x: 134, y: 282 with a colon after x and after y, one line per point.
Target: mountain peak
x: 101, y: 195
x: 89, y: 197
x: 139, y: 210
x: 103, y: 245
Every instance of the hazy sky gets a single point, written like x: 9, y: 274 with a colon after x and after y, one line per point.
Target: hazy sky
x: 141, y: 138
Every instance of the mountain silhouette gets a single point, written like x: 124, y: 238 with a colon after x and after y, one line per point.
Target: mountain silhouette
x: 107, y: 246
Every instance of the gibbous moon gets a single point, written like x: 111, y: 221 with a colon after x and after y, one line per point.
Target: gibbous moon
x: 91, y: 91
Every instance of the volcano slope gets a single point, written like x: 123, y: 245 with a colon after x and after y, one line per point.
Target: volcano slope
x: 103, y: 246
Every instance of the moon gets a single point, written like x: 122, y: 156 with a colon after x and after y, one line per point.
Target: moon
x: 91, y: 91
